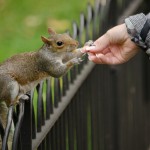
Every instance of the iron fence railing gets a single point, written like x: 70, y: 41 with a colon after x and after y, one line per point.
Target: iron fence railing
x: 81, y: 110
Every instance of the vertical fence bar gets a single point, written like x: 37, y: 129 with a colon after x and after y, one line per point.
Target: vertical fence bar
x: 76, y: 123
x: 94, y: 111
x: 53, y: 138
x: 48, y: 142
x: 65, y: 85
x: 89, y: 19
x: 84, y: 115
x: 2, y: 131
x: 58, y: 135
x: 81, y: 37
x: 60, y: 89
x: 26, y: 128
x: 63, y: 132
x: 40, y: 112
x: 75, y: 36
x: 72, y: 74
x: 33, y: 123
x: 57, y: 90
x: 70, y: 128
x: 51, y: 98
x: 112, y: 13
x: 48, y: 99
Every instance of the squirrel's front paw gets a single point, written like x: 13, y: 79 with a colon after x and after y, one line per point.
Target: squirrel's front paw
x: 89, y: 43
x: 76, y: 60
x: 24, y: 97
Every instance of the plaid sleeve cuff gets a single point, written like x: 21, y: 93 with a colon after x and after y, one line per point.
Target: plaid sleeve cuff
x: 138, y: 28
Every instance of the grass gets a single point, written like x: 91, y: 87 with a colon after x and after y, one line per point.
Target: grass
x: 23, y: 22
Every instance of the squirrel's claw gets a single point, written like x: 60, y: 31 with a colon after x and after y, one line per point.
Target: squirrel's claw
x: 80, y: 60
x: 24, y: 97
x: 89, y: 43
x: 76, y: 60
x: 83, y: 54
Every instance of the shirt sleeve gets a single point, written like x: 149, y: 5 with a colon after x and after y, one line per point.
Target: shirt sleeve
x: 138, y: 27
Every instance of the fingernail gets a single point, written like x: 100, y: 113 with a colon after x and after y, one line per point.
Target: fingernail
x: 90, y: 48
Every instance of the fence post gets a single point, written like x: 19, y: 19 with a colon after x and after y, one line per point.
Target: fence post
x: 26, y: 129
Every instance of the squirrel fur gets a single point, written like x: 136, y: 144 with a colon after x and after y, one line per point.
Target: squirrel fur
x: 22, y: 72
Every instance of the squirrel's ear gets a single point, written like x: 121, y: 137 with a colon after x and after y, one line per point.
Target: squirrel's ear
x: 51, y: 31
x: 46, y: 40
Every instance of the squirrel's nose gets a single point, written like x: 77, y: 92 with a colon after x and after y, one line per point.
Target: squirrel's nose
x: 75, y: 43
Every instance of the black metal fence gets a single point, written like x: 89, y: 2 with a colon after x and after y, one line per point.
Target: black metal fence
x: 92, y: 107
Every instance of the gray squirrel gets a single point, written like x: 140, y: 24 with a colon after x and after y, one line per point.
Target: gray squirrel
x: 22, y: 72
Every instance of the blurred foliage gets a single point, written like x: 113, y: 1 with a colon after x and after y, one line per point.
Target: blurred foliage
x: 22, y: 22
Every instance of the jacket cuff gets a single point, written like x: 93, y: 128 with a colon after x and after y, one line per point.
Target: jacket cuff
x: 138, y: 27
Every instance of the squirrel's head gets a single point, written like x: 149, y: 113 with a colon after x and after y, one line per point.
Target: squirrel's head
x: 59, y: 42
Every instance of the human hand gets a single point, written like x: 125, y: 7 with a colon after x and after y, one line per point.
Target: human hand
x: 114, y: 47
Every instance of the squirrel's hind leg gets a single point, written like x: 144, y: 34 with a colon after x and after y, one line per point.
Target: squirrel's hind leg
x: 3, y: 119
x: 9, y: 90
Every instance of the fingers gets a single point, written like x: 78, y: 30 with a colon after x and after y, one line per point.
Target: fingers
x: 103, y: 59
x: 99, y: 59
x: 95, y: 59
x: 100, y: 44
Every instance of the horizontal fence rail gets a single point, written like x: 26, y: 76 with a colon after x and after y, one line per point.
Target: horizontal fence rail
x: 92, y: 107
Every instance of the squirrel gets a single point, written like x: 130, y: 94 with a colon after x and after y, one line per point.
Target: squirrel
x: 22, y: 72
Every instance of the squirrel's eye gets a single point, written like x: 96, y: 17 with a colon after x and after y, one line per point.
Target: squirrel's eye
x: 59, y: 43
